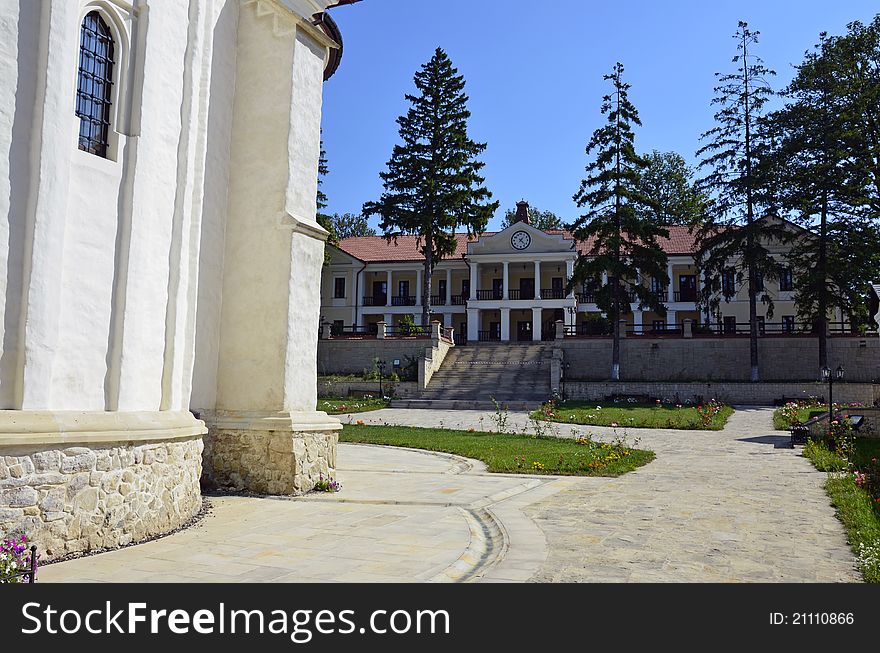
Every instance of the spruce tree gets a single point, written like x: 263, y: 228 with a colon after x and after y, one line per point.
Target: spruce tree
x: 734, y: 235
x: 622, y: 233
x: 432, y: 183
x: 818, y: 185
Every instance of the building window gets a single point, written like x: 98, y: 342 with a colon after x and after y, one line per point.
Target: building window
x: 730, y: 324
x: 759, y: 282
x: 338, y: 328
x: 786, y: 280
x: 339, y: 288
x: 728, y: 282
x: 788, y: 323
x: 762, y: 325
x: 657, y: 286
x: 95, y: 84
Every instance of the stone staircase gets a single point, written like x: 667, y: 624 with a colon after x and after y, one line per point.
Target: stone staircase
x: 516, y: 375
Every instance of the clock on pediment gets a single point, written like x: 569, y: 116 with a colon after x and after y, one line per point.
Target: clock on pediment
x: 520, y: 240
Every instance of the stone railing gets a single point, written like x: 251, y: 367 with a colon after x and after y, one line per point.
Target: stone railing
x: 435, y: 354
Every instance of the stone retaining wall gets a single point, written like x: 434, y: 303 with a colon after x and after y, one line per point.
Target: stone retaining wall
x: 75, y: 499
x: 730, y: 393
x: 333, y: 388
x: 351, y: 356
x: 721, y: 358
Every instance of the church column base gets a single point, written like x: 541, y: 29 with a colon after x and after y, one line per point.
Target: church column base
x: 276, y: 453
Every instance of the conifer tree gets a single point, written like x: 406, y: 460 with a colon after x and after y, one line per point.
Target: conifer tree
x: 735, y: 237
x: 622, y: 233
x: 432, y: 183
x: 818, y: 185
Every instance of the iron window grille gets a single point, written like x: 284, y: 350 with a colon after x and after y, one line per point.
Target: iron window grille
x: 95, y: 85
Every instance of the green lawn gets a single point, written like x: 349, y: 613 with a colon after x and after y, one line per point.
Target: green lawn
x: 855, y: 509
x: 344, y: 406
x: 805, y: 413
x: 510, y: 453
x: 664, y: 416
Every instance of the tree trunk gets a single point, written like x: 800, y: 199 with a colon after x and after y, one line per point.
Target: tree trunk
x: 822, y: 274
x: 750, y: 217
x: 615, y: 342
x: 753, y: 325
x: 426, y: 281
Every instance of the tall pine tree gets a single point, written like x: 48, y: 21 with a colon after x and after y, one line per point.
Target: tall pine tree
x: 818, y: 184
x: 734, y: 237
x: 623, y: 234
x: 433, y: 185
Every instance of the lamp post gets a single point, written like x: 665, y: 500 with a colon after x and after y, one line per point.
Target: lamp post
x: 381, y: 366
x: 828, y: 375
x: 565, y: 366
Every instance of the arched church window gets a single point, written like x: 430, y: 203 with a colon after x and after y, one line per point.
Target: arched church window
x: 95, y: 84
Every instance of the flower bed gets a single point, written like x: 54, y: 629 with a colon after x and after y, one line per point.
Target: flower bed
x: 710, y: 416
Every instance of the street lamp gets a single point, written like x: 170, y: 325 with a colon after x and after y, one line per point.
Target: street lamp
x: 828, y: 375
x: 381, y: 366
x: 565, y: 367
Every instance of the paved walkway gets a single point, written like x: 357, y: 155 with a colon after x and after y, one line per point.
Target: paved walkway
x: 402, y: 516
x: 714, y: 506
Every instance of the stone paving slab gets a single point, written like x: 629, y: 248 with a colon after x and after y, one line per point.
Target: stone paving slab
x: 729, y: 506
x: 715, y: 506
x: 402, y: 516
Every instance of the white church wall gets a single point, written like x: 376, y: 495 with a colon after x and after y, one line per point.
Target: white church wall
x: 211, y: 249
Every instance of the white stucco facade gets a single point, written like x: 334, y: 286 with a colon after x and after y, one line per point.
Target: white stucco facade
x: 180, y: 271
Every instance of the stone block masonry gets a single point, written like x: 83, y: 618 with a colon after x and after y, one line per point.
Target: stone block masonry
x: 74, y: 499
x: 718, y: 358
x: 727, y: 392
x: 269, y: 455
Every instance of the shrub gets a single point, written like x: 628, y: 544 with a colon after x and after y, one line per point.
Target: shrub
x: 15, y: 557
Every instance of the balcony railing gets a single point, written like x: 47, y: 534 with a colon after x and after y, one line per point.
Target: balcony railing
x: 489, y: 294
x: 517, y: 294
x: 488, y: 336
x: 403, y: 300
x: 586, y: 298
x: 689, y: 295
x: 552, y: 293
x: 438, y: 300
x: 459, y: 300
x: 376, y: 300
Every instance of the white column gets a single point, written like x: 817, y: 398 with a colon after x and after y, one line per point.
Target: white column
x: 569, y: 273
x: 637, y: 320
x: 505, y: 320
x: 389, y: 292
x: 389, y: 319
x: 506, y: 294
x: 670, y: 319
x: 419, y: 287
x: 447, y: 319
x: 536, y: 325
x: 538, y: 281
x: 352, y: 290
x: 671, y: 288
x: 473, y: 324
x: 475, y: 270
x: 449, y: 288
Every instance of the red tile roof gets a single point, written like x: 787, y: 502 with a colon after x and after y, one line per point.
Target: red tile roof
x: 375, y: 249
x: 680, y: 242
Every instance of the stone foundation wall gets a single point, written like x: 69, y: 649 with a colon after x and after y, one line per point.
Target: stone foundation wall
x: 75, y: 499
x: 731, y: 393
x: 268, y: 462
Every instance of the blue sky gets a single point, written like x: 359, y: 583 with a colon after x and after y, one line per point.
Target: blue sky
x: 534, y: 76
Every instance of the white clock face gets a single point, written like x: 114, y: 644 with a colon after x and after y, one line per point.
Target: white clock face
x: 520, y: 240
